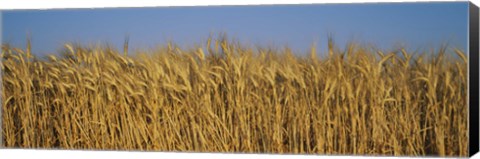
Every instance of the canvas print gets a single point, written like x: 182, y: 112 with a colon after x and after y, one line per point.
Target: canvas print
x: 321, y: 79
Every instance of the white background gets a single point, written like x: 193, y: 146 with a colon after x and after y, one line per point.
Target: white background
x: 49, y: 4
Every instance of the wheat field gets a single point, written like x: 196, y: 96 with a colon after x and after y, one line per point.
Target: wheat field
x: 229, y: 98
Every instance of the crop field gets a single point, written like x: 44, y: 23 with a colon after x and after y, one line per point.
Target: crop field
x: 230, y: 98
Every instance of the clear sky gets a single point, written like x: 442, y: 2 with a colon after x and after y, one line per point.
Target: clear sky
x: 414, y: 25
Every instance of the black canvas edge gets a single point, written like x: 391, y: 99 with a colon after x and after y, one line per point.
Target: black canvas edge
x: 473, y: 65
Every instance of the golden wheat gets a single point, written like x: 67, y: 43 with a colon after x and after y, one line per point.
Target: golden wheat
x: 234, y: 99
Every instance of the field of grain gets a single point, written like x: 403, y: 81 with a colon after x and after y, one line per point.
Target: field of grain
x: 226, y: 97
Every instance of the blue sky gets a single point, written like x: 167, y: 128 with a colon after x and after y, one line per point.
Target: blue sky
x: 414, y: 25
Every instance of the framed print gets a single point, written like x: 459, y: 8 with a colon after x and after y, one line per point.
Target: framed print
x: 368, y: 79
